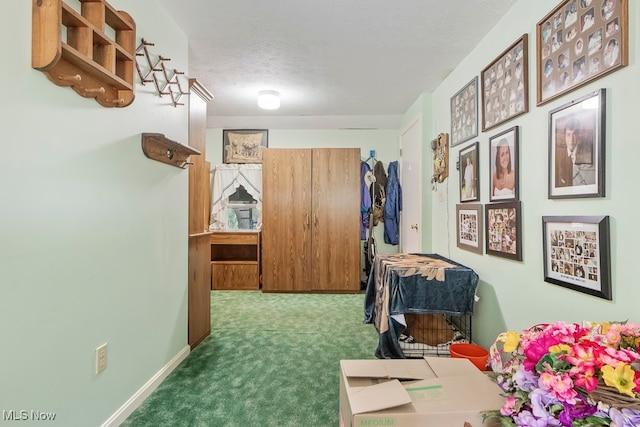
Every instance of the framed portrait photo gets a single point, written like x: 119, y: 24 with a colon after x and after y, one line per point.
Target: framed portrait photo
x: 577, y: 147
x: 503, y: 164
x: 468, y: 164
x: 578, y: 42
x: 464, y: 113
x: 469, y: 227
x: 505, y: 85
x: 503, y: 233
x: 576, y: 253
x: 244, y: 145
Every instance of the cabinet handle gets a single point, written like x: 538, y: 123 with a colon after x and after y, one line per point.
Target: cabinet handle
x: 315, y: 220
x: 307, y: 220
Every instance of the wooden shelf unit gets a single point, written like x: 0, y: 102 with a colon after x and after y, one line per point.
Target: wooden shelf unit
x: 235, y: 260
x: 91, y: 62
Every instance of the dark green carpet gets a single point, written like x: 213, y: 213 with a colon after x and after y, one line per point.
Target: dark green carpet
x: 271, y: 360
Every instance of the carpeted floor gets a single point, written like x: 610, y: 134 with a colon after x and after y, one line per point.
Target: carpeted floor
x: 271, y: 360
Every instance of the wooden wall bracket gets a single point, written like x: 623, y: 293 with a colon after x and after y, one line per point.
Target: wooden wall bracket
x: 157, y: 147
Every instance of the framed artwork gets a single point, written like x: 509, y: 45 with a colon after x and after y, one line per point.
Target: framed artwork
x: 578, y: 42
x: 577, y: 147
x: 244, y: 145
x: 576, y: 253
x: 505, y: 85
x: 469, y: 227
x: 503, y: 233
x: 464, y: 113
x: 503, y: 164
x: 468, y: 165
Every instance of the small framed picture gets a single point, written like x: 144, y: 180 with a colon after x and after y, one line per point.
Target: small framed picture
x: 503, y: 164
x: 464, y: 113
x: 469, y: 227
x: 503, y: 236
x: 578, y: 42
x: 576, y: 253
x: 469, y: 182
x: 244, y: 145
x: 577, y: 147
x: 505, y: 85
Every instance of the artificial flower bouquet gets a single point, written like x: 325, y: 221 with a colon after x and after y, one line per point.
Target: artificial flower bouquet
x: 569, y: 374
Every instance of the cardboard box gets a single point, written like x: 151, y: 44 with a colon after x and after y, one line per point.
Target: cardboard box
x: 433, y: 392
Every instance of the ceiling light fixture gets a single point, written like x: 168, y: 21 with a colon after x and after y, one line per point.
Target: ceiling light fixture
x: 269, y: 99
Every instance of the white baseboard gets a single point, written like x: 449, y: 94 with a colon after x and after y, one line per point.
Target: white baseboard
x: 136, y: 400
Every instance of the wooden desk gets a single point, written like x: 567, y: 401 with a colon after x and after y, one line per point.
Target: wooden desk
x: 235, y: 260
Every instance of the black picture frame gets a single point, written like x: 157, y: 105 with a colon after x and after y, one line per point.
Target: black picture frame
x: 505, y: 85
x: 464, y: 113
x: 581, y: 122
x: 244, y: 145
x: 576, y: 253
x: 578, y: 42
x: 504, y: 180
x: 469, y: 227
x: 503, y: 230
x: 468, y: 161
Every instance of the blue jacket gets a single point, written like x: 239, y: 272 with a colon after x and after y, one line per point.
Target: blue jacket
x: 392, y: 206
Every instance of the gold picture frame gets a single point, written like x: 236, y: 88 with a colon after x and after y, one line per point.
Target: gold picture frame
x: 244, y: 145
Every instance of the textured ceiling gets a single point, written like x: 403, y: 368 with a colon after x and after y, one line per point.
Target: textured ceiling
x: 327, y: 57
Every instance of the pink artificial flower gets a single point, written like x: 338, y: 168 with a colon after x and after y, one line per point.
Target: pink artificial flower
x: 509, y: 406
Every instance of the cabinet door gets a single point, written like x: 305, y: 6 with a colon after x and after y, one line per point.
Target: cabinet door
x: 336, y: 220
x: 286, y: 219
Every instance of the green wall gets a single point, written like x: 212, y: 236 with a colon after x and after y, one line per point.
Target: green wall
x: 513, y: 294
x: 93, y: 235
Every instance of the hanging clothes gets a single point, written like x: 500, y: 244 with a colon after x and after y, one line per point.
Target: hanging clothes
x: 379, y: 192
x: 393, y: 206
x: 365, y: 198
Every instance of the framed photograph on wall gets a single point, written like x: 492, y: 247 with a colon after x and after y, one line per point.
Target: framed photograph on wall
x: 469, y: 227
x: 468, y: 164
x: 578, y: 42
x: 577, y: 147
x: 503, y: 233
x: 576, y: 253
x: 503, y: 164
x: 464, y: 113
x: 244, y: 145
x: 505, y: 85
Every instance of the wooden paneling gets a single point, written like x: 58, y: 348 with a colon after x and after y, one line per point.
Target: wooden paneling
x: 199, y: 281
x: 235, y: 260
x: 235, y: 275
x: 336, y: 220
x: 199, y: 289
x: 311, y: 220
x: 286, y: 219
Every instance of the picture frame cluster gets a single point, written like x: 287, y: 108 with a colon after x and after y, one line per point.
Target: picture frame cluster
x: 577, y: 42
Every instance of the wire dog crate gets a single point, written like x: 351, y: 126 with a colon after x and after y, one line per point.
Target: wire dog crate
x: 431, y: 334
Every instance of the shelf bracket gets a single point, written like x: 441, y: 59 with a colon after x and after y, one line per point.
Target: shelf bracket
x: 157, y: 147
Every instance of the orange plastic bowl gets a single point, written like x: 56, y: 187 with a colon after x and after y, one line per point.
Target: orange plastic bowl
x: 476, y: 354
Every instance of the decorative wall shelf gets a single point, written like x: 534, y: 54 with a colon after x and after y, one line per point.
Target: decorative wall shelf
x: 157, y: 147
x: 73, y: 49
x: 168, y: 83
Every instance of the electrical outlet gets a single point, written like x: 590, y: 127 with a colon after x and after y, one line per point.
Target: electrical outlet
x: 101, y: 358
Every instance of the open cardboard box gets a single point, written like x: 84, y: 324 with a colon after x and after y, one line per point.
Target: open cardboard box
x: 434, y: 392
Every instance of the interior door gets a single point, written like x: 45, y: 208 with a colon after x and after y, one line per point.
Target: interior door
x: 411, y: 182
x: 336, y: 220
x: 286, y: 219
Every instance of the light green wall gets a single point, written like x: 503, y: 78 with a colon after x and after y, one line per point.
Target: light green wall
x: 513, y: 294
x: 93, y: 235
x: 383, y: 141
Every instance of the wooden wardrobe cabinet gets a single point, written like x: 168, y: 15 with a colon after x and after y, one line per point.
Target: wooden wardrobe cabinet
x: 311, y: 220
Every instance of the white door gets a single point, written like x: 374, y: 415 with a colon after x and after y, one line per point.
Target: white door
x: 411, y: 182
